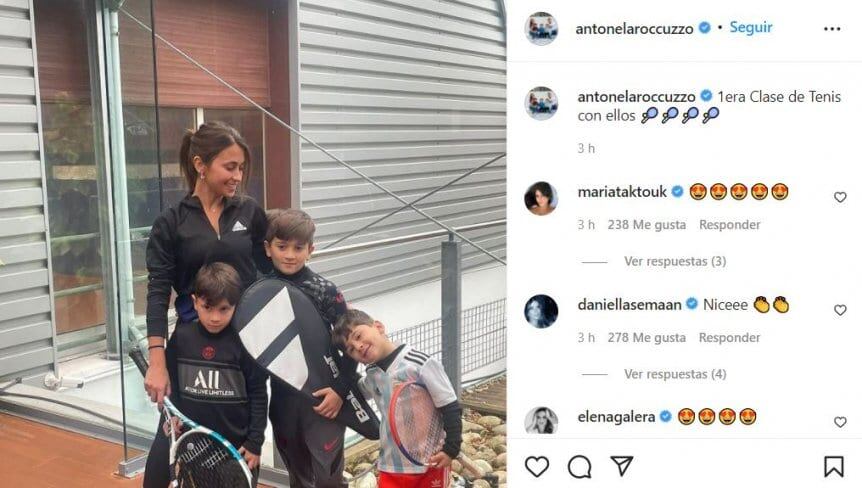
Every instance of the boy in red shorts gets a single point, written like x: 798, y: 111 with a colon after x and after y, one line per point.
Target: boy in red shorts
x: 364, y: 339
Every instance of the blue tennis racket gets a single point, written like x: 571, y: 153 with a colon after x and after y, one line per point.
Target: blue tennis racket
x: 199, y: 457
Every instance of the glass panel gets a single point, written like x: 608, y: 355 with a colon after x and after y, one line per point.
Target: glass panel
x: 147, y: 194
x: 137, y: 186
x: 173, y: 123
x: 249, y: 123
x: 71, y: 164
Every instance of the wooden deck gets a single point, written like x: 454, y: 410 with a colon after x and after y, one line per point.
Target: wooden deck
x: 34, y: 454
x: 44, y: 456
x: 488, y: 398
x: 37, y: 455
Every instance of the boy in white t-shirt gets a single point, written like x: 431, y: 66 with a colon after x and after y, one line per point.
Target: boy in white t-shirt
x: 389, y: 364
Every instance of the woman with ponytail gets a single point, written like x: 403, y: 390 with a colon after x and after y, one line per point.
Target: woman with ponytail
x: 214, y: 222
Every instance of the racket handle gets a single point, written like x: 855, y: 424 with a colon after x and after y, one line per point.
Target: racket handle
x: 140, y: 361
x: 470, y: 466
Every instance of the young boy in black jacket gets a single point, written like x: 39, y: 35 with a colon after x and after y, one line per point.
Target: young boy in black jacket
x: 215, y: 383
x: 310, y: 443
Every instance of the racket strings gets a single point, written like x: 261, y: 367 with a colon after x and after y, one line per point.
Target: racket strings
x: 204, y: 462
x: 418, y: 423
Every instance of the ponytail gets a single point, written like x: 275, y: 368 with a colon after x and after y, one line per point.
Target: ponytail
x: 187, y: 168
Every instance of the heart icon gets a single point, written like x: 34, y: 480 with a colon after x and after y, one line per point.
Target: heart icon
x: 537, y: 465
x: 840, y: 421
x: 840, y: 196
x: 840, y: 309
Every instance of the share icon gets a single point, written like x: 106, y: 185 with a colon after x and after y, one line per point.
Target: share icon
x: 623, y: 463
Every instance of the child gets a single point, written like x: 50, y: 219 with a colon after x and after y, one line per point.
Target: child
x: 235, y: 405
x: 364, y: 339
x: 310, y: 443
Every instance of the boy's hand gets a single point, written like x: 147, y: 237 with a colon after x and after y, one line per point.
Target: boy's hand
x: 440, y: 460
x: 253, y: 460
x: 331, y: 403
x: 177, y: 424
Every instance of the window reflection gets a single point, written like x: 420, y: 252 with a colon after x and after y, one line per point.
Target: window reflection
x: 72, y: 168
x: 146, y: 196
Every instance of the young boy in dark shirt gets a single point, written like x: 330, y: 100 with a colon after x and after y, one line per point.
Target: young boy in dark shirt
x: 215, y: 383
x: 310, y: 443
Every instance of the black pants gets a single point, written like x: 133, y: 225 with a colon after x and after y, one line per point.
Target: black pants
x: 157, y: 473
x: 311, y: 446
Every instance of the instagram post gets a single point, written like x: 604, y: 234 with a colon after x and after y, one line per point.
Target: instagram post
x: 342, y: 243
x: 257, y: 243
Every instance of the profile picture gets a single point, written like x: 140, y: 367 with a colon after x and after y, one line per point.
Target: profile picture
x: 541, y: 103
x: 541, y: 28
x: 541, y: 198
x: 541, y: 311
x: 541, y: 420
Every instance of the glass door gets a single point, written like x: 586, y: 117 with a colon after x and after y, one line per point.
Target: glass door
x: 137, y: 189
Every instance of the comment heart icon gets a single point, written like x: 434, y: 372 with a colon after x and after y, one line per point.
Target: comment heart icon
x: 537, y: 465
x: 840, y: 196
x: 840, y: 421
x: 840, y: 309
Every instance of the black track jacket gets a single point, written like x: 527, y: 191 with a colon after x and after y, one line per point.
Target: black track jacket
x: 182, y: 240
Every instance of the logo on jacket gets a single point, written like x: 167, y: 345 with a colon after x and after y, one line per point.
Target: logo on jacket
x: 328, y: 446
x: 209, y: 381
x: 360, y: 412
x: 238, y: 226
x: 332, y: 366
x: 208, y: 352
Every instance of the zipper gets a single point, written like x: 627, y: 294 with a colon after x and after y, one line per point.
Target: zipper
x: 210, y: 225
x: 220, y: 219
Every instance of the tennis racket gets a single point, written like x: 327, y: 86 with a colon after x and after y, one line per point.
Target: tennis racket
x: 200, y: 458
x: 417, y: 428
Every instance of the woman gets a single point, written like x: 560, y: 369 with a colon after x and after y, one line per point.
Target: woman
x: 539, y: 197
x: 214, y: 222
x: 541, y: 311
x: 542, y: 423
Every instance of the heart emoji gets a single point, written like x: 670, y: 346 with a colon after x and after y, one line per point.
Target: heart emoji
x: 840, y: 196
x: 537, y: 465
x: 840, y: 421
x: 840, y: 309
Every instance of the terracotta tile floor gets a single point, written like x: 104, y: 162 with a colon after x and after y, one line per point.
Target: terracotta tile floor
x: 42, y: 456
x: 37, y: 455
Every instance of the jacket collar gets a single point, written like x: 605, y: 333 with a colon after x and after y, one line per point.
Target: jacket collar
x: 195, y: 202
x: 299, y: 275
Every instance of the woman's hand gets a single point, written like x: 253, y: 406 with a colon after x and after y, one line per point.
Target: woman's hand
x: 157, y: 383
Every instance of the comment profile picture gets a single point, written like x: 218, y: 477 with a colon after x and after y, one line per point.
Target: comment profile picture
x: 541, y: 198
x: 541, y: 28
x: 541, y: 311
x: 541, y: 103
x: 541, y: 420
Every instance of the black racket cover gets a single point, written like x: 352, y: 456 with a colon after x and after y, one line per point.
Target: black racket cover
x: 282, y: 330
